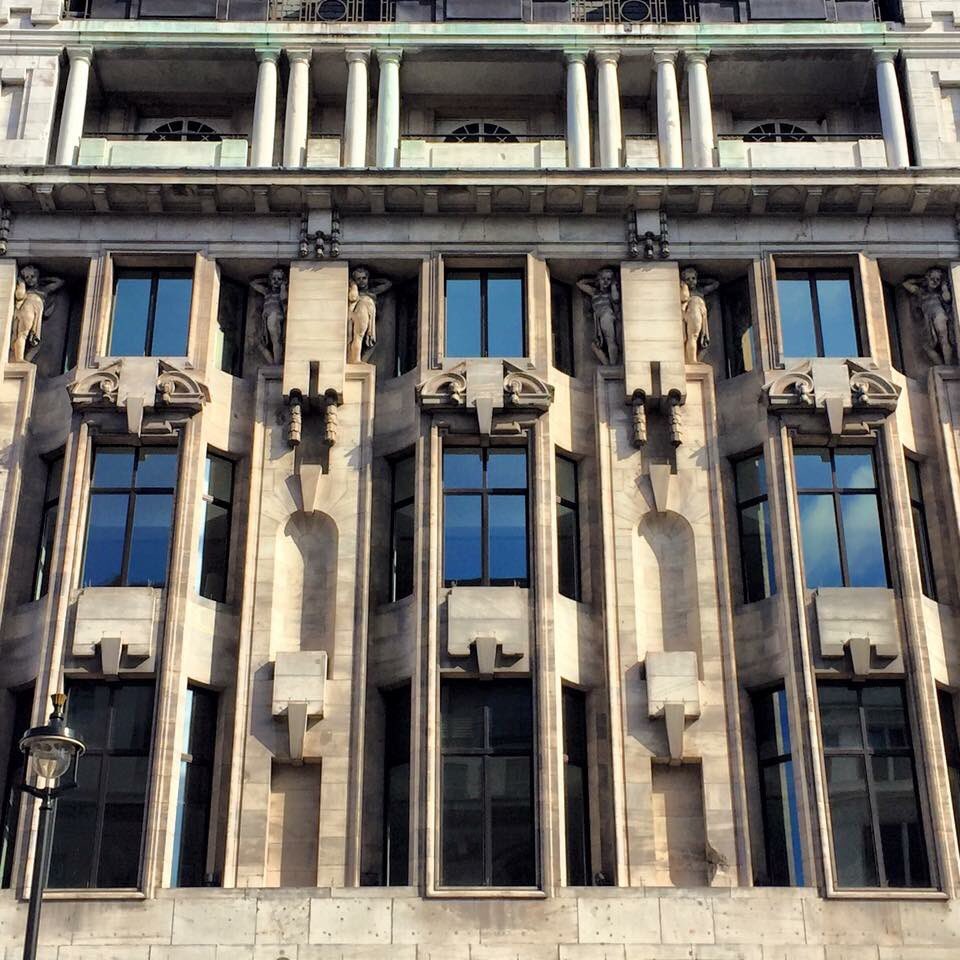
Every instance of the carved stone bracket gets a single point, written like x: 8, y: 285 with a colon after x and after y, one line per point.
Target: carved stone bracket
x: 860, y: 624
x: 113, y: 622
x: 670, y: 405
x: 486, y: 386
x: 673, y: 693
x: 832, y: 387
x: 137, y: 385
x: 490, y: 623
x: 299, y: 682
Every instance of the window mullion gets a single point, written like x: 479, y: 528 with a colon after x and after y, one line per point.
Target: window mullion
x: 817, y: 328
x: 871, y: 794
x: 128, y: 534
x: 484, y: 326
x: 151, y: 314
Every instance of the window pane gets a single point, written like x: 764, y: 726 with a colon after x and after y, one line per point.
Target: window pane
x: 757, y: 549
x: 88, y: 712
x: 74, y: 824
x: 463, y: 317
x: 821, y: 549
x: 214, y: 552
x: 48, y: 529
x: 462, y: 470
x: 131, y: 309
x: 22, y: 707
x: 511, y: 715
x: 772, y: 724
x: 839, y: 716
x: 463, y: 716
x: 150, y: 540
x: 505, y: 317
x: 913, y: 480
x: 103, y: 561
x: 156, y: 467
x: 812, y: 468
x: 566, y: 479
x: 885, y: 715
x: 782, y: 825
x: 852, y: 828
x: 751, y: 477
x: 837, y: 319
x: 462, y: 538
x: 901, y: 831
x: 463, y: 822
x: 403, y: 479
x: 172, y: 319
x: 113, y: 467
x: 508, y: 537
x: 575, y: 787
x: 510, y: 790
x: 397, y: 853
x: 568, y: 559
x: 132, y: 717
x: 864, y: 543
x: 561, y: 320
x: 123, y: 822
x: 507, y: 469
x: 855, y: 469
x: 796, y: 318
x: 403, y: 525
x: 219, y: 478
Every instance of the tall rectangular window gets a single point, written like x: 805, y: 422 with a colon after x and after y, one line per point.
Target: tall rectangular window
x: 840, y: 523
x: 10, y: 815
x: 151, y: 313
x: 485, y: 516
x: 48, y: 526
x: 778, y: 793
x: 131, y: 514
x: 753, y: 523
x: 568, y: 528
x: 951, y: 746
x: 215, y: 533
x: 817, y: 313
x: 737, y: 314
x: 485, y: 313
x: 231, y: 326
x: 878, y: 837
x: 575, y: 792
x: 396, y: 787
x: 561, y: 319
x: 408, y: 315
x: 402, y: 527
x: 920, y: 532
x: 487, y: 827
x: 192, y: 830
x: 98, y: 832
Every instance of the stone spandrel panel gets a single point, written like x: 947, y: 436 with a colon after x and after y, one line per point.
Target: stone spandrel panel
x: 28, y: 100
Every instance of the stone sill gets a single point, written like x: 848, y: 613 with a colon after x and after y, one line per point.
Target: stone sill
x: 124, y: 894
x: 485, y: 893
x: 888, y: 894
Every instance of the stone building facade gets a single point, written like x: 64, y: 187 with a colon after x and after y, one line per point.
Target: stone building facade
x: 486, y: 476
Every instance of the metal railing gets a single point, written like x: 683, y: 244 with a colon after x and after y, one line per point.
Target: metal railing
x: 330, y: 11
x: 812, y: 137
x: 634, y: 11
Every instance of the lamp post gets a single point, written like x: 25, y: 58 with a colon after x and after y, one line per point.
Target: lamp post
x: 54, y: 749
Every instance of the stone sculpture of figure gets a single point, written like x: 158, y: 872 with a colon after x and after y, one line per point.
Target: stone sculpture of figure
x: 273, y: 313
x: 932, y: 301
x: 693, y: 306
x: 362, y: 309
x: 604, y: 293
x: 29, y: 306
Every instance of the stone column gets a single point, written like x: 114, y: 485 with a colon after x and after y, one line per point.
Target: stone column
x: 74, y: 104
x: 265, y: 110
x: 355, y: 123
x: 668, y: 109
x: 388, y: 108
x: 701, y: 111
x: 608, y: 103
x: 891, y: 109
x: 298, y: 106
x: 578, y: 112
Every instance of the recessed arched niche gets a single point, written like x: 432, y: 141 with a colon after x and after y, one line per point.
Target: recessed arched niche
x: 667, y: 601
x: 305, y: 584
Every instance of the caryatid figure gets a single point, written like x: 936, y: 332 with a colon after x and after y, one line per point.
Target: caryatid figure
x: 604, y: 293
x: 362, y: 313
x: 273, y: 313
x: 693, y: 306
x: 932, y: 301
x: 29, y: 305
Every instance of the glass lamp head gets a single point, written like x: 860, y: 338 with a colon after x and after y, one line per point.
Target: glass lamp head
x: 52, y: 747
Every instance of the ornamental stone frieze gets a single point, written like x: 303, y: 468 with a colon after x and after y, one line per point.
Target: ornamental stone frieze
x: 837, y: 388
x: 487, y: 386
x: 139, y: 386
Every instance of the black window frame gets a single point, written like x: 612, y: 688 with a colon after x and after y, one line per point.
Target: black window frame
x: 154, y: 275
x: 947, y: 711
x: 744, y: 505
x: 485, y: 580
x: 561, y: 323
x: 921, y: 531
x: 49, y: 516
x: 22, y: 714
x: 574, y: 507
x: 396, y: 505
x: 576, y: 763
x: 484, y: 275
x: 838, y: 492
x: 395, y: 869
x: 239, y: 333
x: 131, y: 493
x: 812, y: 275
x: 406, y: 325
x: 866, y: 753
x: 227, y: 505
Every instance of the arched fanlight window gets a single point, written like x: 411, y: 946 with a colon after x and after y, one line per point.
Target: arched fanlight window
x: 778, y: 131
x: 184, y: 129
x: 480, y: 131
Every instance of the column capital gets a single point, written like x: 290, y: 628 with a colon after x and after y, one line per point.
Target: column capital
x: 299, y: 54
x: 606, y: 56
x: 80, y: 53
x: 696, y: 56
x: 389, y: 55
x: 357, y: 56
x: 664, y: 56
x: 267, y: 53
x: 885, y: 55
x: 575, y: 56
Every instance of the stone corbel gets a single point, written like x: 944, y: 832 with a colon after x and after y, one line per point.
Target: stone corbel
x: 663, y: 391
x: 859, y: 623
x: 113, y: 622
x: 489, y: 623
x: 299, y: 680
x: 673, y: 693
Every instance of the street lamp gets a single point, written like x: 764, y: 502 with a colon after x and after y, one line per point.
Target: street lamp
x: 51, y: 750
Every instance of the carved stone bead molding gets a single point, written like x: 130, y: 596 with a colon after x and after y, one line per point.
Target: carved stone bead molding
x: 136, y: 385
x: 832, y: 387
x: 486, y: 386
